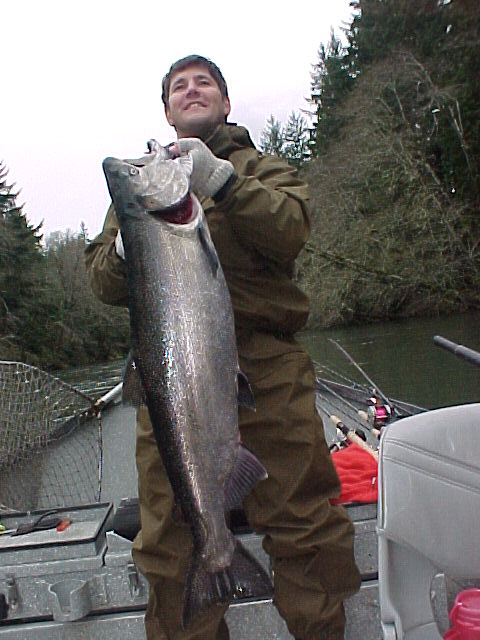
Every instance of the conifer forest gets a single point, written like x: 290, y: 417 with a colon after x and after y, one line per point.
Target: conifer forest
x: 391, y: 150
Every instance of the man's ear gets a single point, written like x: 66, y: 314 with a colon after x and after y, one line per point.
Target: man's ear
x: 169, y: 118
x: 226, y: 106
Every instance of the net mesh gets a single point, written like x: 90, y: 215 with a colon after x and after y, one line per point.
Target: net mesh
x: 50, y: 441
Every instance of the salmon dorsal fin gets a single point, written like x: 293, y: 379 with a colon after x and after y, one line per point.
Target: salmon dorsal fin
x: 245, y: 393
x: 248, y: 471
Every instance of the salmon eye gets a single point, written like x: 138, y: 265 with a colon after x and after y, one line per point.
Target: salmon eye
x: 133, y: 171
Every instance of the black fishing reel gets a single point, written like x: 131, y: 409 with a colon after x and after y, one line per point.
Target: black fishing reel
x: 338, y: 445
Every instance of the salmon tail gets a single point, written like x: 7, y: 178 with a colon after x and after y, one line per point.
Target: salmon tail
x: 245, y: 578
x: 203, y: 589
x: 248, y: 470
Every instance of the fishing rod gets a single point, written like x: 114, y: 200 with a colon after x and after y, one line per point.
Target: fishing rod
x: 354, y: 435
x: 342, y: 378
x: 464, y: 353
x: 376, y: 388
x: 359, y: 412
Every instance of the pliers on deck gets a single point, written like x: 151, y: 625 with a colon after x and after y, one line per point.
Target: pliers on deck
x: 48, y: 520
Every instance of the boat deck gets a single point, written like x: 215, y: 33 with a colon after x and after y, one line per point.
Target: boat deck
x: 252, y: 619
x: 363, y: 614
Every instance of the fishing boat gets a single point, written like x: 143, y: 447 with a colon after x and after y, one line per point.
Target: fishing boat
x: 80, y: 581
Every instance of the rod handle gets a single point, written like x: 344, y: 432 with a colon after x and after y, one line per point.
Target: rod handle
x: 364, y: 416
x: 353, y: 437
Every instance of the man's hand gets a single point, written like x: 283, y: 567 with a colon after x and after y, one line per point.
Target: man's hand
x: 208, y: 174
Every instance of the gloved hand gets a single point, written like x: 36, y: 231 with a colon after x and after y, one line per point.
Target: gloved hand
x: 208, y: 174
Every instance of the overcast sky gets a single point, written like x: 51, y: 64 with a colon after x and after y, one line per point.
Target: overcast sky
x: 82, y: 81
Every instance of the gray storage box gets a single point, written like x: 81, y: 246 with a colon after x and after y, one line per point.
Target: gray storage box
x: 66, y: 576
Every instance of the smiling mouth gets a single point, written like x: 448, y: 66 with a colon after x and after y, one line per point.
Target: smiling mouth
x: 194, y: 104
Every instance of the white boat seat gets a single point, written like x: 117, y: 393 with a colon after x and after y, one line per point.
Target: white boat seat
x: 428, y: 514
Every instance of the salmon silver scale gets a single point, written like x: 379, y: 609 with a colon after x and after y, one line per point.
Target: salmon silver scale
x: 185, y: 363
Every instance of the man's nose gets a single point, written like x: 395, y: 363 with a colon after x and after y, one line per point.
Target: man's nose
x: 192, y: 88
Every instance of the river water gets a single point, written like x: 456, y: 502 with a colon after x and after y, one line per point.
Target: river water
x: 399, y: 356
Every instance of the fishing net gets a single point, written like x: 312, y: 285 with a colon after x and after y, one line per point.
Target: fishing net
x: 50, y: 441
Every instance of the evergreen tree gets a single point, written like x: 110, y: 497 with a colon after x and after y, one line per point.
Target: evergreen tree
x: 296, y: 149
x: 21, y: 269
x: 49, y: 316
x: 272, y: 139
x: 80, y: 329
x: 331, y: 82
x: 382, y: 26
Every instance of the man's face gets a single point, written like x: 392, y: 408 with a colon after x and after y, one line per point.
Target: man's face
x: 195, y: 103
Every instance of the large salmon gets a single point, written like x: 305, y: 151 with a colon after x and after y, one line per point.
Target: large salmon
x: 184, y: 350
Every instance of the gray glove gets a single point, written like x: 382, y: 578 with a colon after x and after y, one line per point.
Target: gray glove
x: 208, y: 174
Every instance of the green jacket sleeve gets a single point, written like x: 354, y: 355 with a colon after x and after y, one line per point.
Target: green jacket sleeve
x: 267, y: 205
x: 106, y: 271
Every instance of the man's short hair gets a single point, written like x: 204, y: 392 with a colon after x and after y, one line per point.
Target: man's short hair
x: 187, y: 62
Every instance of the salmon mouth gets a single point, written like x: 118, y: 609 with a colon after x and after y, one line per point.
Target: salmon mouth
x: 181, y: 213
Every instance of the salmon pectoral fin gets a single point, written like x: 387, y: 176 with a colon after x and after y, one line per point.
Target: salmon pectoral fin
x: 245, y: 578
x: 245, y: 393
x: 248, y: 471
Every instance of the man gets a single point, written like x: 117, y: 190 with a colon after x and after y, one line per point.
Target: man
x: 258, y: 218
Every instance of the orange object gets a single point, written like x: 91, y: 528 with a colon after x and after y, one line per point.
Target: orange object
x: 64, y: 524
